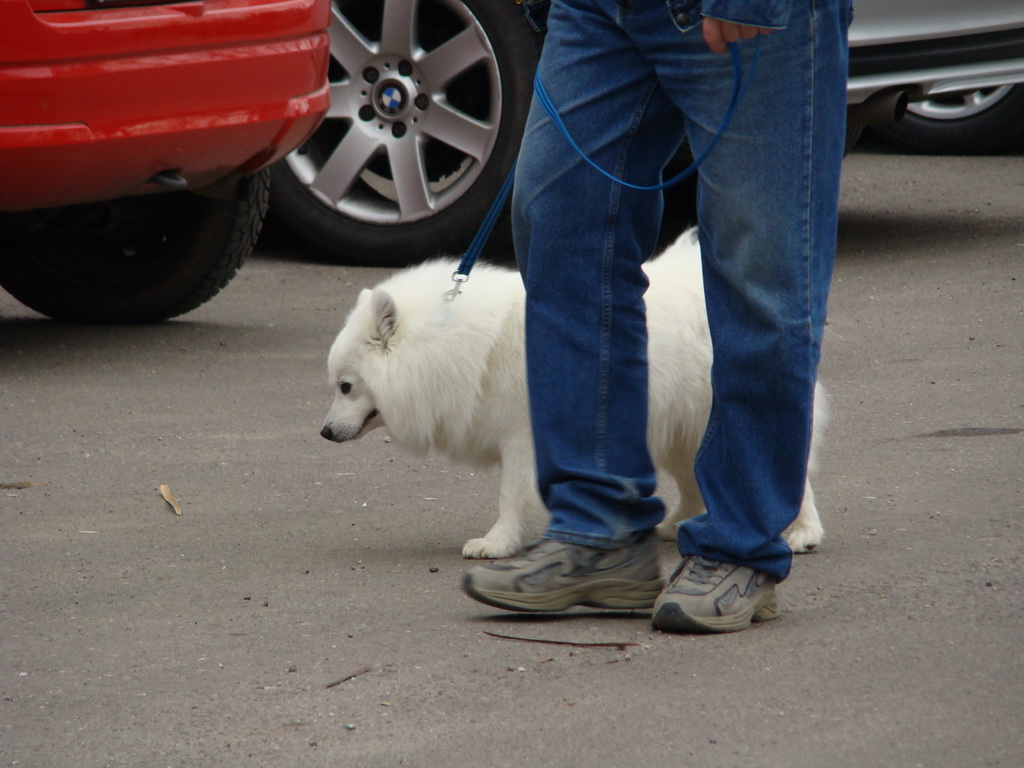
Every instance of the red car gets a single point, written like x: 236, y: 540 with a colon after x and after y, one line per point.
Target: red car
x: 133, y: 140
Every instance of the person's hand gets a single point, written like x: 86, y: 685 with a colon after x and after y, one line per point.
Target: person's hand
x: 718, y: 33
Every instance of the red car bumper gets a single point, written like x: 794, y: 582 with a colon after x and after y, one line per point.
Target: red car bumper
x: 95, y: 103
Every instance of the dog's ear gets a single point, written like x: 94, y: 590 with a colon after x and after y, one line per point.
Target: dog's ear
x: 386, y: 313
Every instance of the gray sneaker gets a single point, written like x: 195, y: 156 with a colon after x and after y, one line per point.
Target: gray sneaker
x: 554, y: 575
x: 708, y: 596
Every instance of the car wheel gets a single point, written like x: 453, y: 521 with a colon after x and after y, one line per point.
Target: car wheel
x: 428, y: 103
x: 131, y: 260
x: 988, y: 121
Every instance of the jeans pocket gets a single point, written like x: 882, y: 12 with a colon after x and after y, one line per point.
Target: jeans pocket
x: 685, y: 14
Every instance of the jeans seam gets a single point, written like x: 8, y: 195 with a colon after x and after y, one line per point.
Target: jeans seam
x: 808, y: 234
x: 607, y: 278
x: 604, y: 348
x: 709, y: 431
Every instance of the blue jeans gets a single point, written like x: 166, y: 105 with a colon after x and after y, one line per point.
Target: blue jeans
x: 629, y: 83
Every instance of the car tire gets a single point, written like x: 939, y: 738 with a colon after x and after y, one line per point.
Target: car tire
x: 421, y: 133
x: 989, y: 121
x: 132, y: 260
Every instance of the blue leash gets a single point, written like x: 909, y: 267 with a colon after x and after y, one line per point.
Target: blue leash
x: 739, y: 90
x: 476, y: 246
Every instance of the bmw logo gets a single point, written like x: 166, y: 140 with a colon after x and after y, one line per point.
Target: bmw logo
x: 391, y: 99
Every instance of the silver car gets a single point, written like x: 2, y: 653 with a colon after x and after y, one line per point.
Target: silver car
x: 429, y: 99
x: 960, y: 66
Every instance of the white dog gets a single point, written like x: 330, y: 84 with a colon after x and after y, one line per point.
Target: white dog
x: 450, y: 378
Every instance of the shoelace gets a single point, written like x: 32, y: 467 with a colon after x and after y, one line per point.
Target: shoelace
x: 702, y: 571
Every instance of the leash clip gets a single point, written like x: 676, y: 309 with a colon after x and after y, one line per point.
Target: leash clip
x: 458, y: 278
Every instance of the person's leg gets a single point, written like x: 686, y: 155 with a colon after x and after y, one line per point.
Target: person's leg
x: 581, y: 240
x: 768, y: 207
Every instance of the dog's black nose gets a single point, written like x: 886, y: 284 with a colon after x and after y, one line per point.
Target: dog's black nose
x: 327, y: 433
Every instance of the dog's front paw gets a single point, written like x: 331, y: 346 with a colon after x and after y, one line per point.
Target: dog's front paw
x: 488, y: 547
x: 804, y: 538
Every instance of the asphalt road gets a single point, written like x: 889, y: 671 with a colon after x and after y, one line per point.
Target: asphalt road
x: 304, y: 608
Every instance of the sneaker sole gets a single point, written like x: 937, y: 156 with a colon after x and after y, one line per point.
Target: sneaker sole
x: 671, y: 618
x: 605, y: 593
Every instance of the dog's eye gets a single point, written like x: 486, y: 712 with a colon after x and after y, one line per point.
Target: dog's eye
x: 346, y: 387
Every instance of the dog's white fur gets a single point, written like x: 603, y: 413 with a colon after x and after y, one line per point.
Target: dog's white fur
x: 449, y: 378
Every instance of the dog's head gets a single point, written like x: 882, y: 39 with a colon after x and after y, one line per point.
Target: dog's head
x: 367, y: 333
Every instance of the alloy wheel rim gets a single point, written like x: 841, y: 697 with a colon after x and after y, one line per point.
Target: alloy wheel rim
x: 408, y: 131
x: 959, y: 106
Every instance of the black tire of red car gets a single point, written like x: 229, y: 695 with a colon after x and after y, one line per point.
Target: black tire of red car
x: 363, y: 223
x: 995, y: 125
x: 132, y: 260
